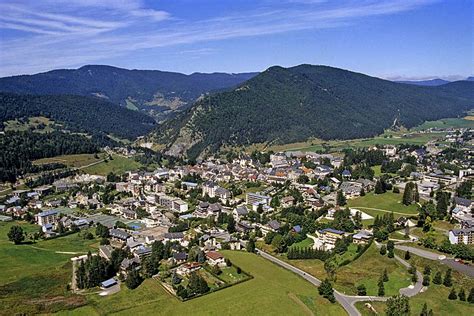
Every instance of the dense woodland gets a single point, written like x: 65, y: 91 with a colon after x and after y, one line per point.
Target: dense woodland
x: 118, y: 85
x: 77, y: 113
x: 289, y: 105
x: 20, y: 148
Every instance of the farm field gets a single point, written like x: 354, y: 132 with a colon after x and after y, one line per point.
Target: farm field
x: 74, y: 161
x: 436, y: 297
x: 376, y: 204
x: 118, y: 165
x: 279, y: 293
x: 34, y: 276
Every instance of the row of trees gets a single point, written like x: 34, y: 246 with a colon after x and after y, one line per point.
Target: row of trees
x: 307, y: 253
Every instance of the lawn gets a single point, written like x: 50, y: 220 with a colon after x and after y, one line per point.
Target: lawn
x: 76, y: 161
x: 305, y: 243
x: 367, y: 269
x: 272, y: 291
x: 118, y: 165
x: 436, y: 297
x: 34, y: 276
x: 376, y: 204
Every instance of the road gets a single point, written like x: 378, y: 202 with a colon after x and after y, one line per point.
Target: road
x: 450, y: 262
x: 346, y: 301
x: 385, y: 211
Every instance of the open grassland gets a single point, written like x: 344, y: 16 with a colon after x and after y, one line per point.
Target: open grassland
x: 34, y: 276
x: 73, y: 161
x: 378, y: 204
x: 367, y: 270
x: 117, y: 165
x: 272, y: 291
x: 436, y: 296
x: 38, y: 123
x: 465, y: 122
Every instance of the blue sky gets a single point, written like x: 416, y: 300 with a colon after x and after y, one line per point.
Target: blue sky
x: 394, y: 39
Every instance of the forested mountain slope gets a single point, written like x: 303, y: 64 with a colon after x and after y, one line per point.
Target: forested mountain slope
x: 283, y: 105
x: 77, y: 113
x: 152, y: 90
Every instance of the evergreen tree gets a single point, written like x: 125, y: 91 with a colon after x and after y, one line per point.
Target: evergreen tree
x: 407, y: 255
x: 470, y: 298
x: 438, y: 279
x: 341, y: 199
x: 385, y: 276
x: 361, y: 290
x: 251, y: 245
x: 325, y: 289
x: 379, y: 188
x: 134, y: 279
x: 383, y: 250
x: 408, y: 194
x: 452, y: 295
x: 462, y: 295
x: 448, y: 281
x: 424, y: 310
x: 381, y: 291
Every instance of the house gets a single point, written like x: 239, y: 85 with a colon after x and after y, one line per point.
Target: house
x: 362, y: 237
x: 331, y: 213
x: 297, y: 229
x: 119, y: 235
x: 168, y: 237
x: 274, y: 225
x: 239, y: 212
x: 180, y: 257
x: 105, y: 251
x: 215, y: 258
x: 329, y: 236
x: 462, y: 236
x: 287, y: 201
x: 346, y: 174
x: 47, y: 217
x: 209, y: 188
x: 128, y: 264
x: 188, y: 268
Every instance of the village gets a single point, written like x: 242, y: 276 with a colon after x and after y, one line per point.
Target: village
x: 172, y: 224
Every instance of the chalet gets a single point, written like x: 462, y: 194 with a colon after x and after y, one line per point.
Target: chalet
x: 240, y: 212
x: 362, y: 237
x: 180, y: 257
x: 188, y: 268
x: 215, y: 258
x: 329, y: 236
x: 179, y: 236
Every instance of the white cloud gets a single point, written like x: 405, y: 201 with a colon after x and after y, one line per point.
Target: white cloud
x: 69, y: 33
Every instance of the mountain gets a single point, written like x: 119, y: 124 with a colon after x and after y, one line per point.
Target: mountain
x: 77, y: 113
x: 428, y: 83
x: 284, y: 105
x: 157, y: 92
x: 470, y: 79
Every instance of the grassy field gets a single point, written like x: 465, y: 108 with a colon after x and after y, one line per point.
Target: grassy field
x: 308, y: 242
x: 367, y: 269
x: 372, y: 204
x: 74, y: 161
x: 272, y: 291
x: 118, y: 165
x: 32, y: 123
x: 466, y: 122
x: 436, y: 297
x: 34, y: 276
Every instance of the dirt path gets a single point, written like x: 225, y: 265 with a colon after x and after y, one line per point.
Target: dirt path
x: 386, y: 211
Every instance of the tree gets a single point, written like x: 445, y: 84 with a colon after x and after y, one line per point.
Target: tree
x: 228, y: 262
x: 361, y: 290
x: 452, y: 295
x: 379, y: 187
x: 16, y: 235
x: 134, y: 279
x: 251, y: 245
x: 101, y: 231
x: 407, y: 255
x: 383, y: 250
x: 278, y: 243
x: 385, y: 276
x: 381, y: 291
x: 325, y: 289
x: 462, y: 295
x: 424, y: 311
x: 470, y: 298
x: 230, y: 224
x: 448, y: 280
x: 341, y: 199
x: 398, y: 306
x: 408, y: 193
x: 437, y: 278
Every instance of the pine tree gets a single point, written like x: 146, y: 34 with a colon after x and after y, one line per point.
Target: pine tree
x: 341, y: 199
x: 381, y: 291
x: 424, y: 311
x: 407, y: 255
x: 462, y: 295
x: 385, y: 276
x: 452, y: 295
x: 398, y: 306
x: 448, y: 281
x: 383, y: 250
x: 438, y: 279
x: 470, y: 298
x: 408, y: 194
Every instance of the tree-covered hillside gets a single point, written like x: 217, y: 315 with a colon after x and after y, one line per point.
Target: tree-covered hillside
x: 146, y: 89
x: 77, y: 113
x: 283, y: 105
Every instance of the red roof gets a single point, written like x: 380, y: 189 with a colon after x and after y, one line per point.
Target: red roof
x: 214, y: 255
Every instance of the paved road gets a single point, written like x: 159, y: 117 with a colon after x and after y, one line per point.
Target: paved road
x: 347, y: 301
x: 449, y: 261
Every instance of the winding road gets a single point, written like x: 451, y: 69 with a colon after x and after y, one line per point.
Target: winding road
x: 346, y: 301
